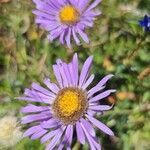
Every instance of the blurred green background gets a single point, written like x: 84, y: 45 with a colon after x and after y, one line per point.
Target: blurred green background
x: 119, y: 46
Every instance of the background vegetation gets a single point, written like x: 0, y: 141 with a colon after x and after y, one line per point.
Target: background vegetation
x: 119, y: 46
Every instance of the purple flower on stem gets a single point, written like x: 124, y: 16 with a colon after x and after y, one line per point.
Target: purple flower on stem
x: 66, y: 20
x: 145, y: 23
x: 69, y: 106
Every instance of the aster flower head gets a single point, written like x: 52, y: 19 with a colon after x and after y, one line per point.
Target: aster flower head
x: 145, y: 23
x: 70, y: 106
x: 66, y: 19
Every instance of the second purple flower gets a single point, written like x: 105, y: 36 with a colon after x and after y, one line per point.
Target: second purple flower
x: 66, y: 19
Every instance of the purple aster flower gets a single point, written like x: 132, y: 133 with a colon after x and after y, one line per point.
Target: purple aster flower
x: 66, y: 19
x: 66, y: 107
x: 145, y: 23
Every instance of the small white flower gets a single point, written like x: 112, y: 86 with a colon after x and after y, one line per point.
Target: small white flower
x: 10, y: 133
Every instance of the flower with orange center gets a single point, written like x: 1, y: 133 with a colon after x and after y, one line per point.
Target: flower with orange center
x: 70, y: 105
x: 66, y: 20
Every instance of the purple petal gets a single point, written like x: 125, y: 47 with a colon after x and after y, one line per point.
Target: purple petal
x: 62, y: 2
x: 102, y: 95
x: 94, y: 90
x: 96, y: 144
x: 58, y: 75
x: 104, y: 80
x: 49, y: 135
x: 30, y: 99
x: 74, y: 3
x: 67, y: 139
x: 53, y: 87
x: 62, y: 73
x: 91, y: 14
x: 91, y: 112
x: 42, y: 90
x: 55, y: 34
x: 54, y: 4
x: 42, y: 6
x: 38, y: 94
x: 42, y: 14
x: 80, y: 133
x: 75, y: 68
x: 70, y: 137
x: 38, y: 134
x: 85, y: 71
x: 43, y: 22
x: 51, y: 123
x: 68, y: 74
x: 48, y: 25
x: 62, y: 36
x: 83, y: 4
x: 54, y: 141
x: 89, y: 138
x: 83, y: 35
x: 88, y: 127
x: 100, y: 125
x: 35, y: 117
x: 93, y: 5
x: 32, y: 130
x: 75, y: 36
x: 87, y: 23
x: 99, y: 86
x: 100, y: 107
x: 35, y: 96
x: 33, y: 108
x: 72, y: 75
x: 88, y: 82
x: 36, y: 100
x: 68, y: 38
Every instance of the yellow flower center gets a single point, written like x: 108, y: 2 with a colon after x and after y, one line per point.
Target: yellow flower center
x: 68, y: 14
x: 70, y: 105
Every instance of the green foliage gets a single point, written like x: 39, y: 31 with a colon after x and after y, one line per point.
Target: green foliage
x: 119, y: 46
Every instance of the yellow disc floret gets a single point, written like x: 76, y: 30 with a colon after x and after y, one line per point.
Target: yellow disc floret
x: 70, y: 105
x: 68, y: 14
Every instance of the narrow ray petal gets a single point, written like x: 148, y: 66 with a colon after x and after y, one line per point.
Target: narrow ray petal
x: 49, y: 135
x: 38, y: 134
x: 99, y: 86
x: 88, y: 126
x: 88, y: 82
x: 32, y: 130
x: 100, y: 125
x: 85, y: 71
x: 53, y: 87
x: 58, y: 75
x: 80, y: 133
x: 102, y: 95
x: 33, y: 108
x: 94, y: 4
x: 100, y: 107
x: 54, y: 141
x: 89, y: 138
x: 35, y: 117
